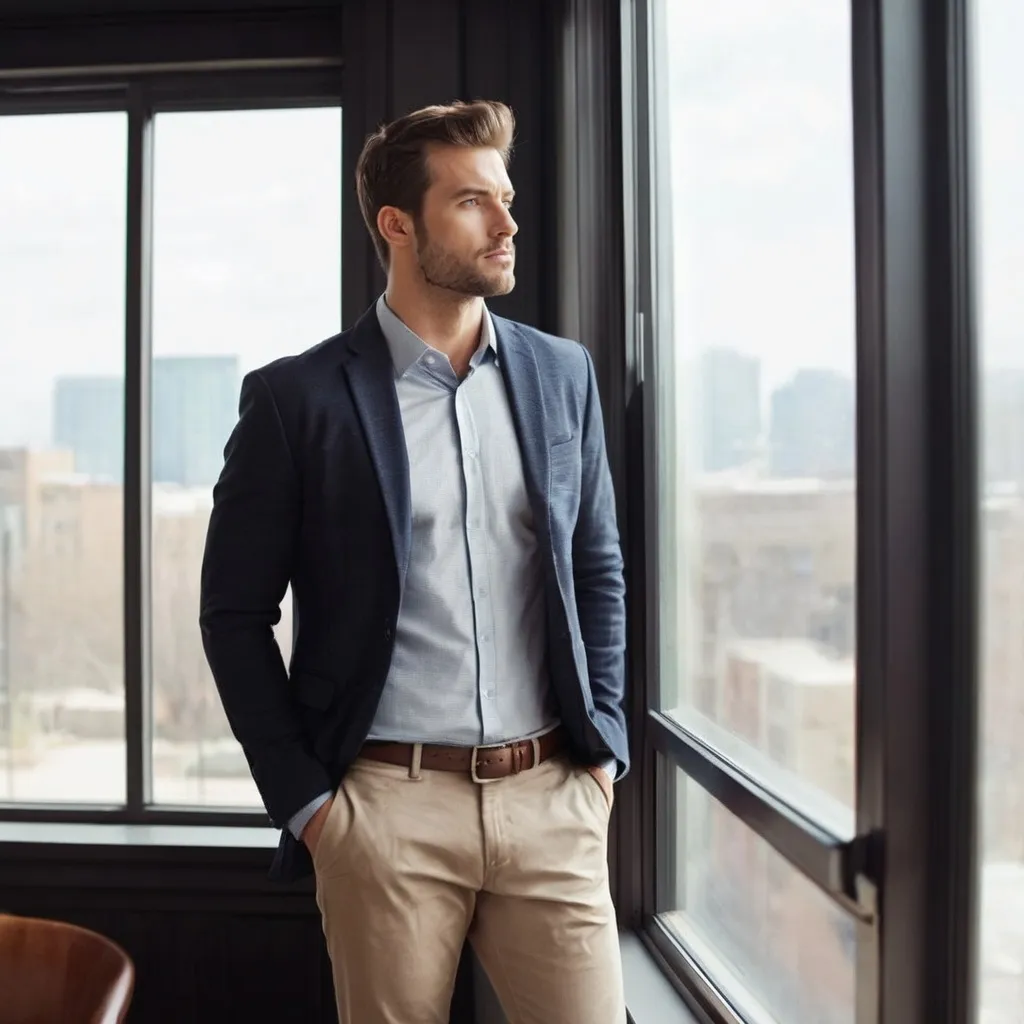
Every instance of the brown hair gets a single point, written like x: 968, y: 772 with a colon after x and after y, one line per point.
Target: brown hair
x: 392, y: 168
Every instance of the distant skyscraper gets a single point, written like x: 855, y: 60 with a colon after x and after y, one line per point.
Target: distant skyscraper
x: 730, y: 408
x: 813, y: 426
x: 88, y: 419
x: 195, y: 403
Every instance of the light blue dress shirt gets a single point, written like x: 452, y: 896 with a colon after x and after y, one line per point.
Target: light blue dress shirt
x: 469, y: 664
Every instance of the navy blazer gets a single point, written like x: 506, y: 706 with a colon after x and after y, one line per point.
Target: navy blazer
x: 315, y: 492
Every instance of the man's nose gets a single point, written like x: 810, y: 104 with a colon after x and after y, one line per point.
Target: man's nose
x: 507, y: 227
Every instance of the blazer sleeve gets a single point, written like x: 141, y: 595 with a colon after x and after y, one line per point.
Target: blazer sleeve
x: 246, y: 569
x: 597, y: 565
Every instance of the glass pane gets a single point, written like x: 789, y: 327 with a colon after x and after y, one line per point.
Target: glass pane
x: 776, y: 946
x: 247, y: 249
x: 62, y: 276
x: 999, y: 121
x: 755, y: 404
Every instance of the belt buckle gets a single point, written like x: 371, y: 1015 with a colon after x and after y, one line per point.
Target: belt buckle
x: 472, y: 762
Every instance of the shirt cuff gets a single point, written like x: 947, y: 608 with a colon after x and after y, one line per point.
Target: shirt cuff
x: 298, y: 821
x: 612, y: 768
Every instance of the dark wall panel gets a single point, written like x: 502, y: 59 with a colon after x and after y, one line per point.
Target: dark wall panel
x: 487, y: 56
x: 211, y: 938
x: 108, y: 39
x: 367, y: 103
x: 59, y: 8
x: 425, y: 53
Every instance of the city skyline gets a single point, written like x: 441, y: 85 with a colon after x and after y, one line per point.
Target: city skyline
x: 193, y: 409
x: 735, y: 431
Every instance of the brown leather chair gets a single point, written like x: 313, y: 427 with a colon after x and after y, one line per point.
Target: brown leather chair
x: 54, y: 972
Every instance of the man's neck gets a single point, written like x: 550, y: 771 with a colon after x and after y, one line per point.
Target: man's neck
x: 447, y: 322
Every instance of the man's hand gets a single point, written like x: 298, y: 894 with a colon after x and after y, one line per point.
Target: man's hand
x: 604, y: 780
x: 315, y: 825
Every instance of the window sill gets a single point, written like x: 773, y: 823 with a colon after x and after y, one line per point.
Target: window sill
x: 650, y: 997
x: 219, y: 865
x: 46, y: 833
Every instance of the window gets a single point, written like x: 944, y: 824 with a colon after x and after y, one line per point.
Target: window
x: 755, y: 399
x: 782, y: 949
x: 752, y: 406
x: 188, y: 241
x: 246, y: 269
x: 62, y: 278
x: 834, y: 226
x: 999, y: 116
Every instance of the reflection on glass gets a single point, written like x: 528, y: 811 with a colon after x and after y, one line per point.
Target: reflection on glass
x: 755, y: 401
x: 62, y: 274
x: 247, y: 240
x: 999, y: 121
x: 781, y: 950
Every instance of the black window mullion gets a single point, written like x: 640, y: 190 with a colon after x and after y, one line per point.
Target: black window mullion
x: 137, y: 512
x: 872, y: 493
x: 917, y: 508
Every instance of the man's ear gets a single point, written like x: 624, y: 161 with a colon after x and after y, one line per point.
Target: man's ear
x: 396, y: 227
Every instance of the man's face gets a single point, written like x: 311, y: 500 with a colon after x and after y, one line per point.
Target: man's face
x: 464, y: 233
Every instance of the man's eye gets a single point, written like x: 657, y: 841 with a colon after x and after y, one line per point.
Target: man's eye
x: 467, y: 202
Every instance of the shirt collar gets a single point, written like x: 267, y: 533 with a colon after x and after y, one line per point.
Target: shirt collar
x: 407, y: 347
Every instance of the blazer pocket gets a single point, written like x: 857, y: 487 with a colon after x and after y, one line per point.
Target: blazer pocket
x: 564, y: 465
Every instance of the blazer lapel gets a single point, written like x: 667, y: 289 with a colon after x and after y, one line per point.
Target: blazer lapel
x: 526, y: 398
x: 371, y: 375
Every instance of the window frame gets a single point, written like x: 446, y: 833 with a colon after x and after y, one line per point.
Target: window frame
x: 909, y: 875
x: 142, y: 95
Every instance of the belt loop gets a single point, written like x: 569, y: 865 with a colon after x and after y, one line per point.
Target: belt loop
x: 536, y: 752
x: 417, y: 758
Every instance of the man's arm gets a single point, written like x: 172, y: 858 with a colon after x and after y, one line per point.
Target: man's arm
x: 597, y: 567
x: 247, y: 565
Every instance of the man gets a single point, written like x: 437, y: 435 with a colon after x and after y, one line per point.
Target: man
x: 434, y: 485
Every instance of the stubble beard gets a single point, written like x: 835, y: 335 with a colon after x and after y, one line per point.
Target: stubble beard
x: 443, y: 269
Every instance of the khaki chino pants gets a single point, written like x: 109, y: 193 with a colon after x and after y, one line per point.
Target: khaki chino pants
x: 407, y: 868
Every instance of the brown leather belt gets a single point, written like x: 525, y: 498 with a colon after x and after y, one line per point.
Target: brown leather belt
x: 482, y: 764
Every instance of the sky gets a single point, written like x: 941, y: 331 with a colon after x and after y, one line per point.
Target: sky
x: 759, y: 102
x: 247, y: 252
x: 246, y: 236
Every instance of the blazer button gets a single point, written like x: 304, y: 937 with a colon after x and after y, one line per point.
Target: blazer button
x: 387, y: 632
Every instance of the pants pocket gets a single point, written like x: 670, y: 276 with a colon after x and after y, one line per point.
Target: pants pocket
x: 591, y: 781
x: 327, y: 857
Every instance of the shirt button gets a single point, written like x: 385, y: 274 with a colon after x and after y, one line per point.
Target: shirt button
x: 489, y: 694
